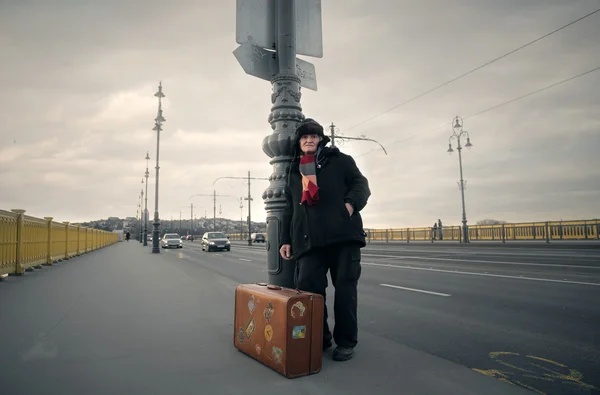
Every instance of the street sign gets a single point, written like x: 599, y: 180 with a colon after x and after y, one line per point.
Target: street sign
x: 256, y: 22
x: 262, y: 63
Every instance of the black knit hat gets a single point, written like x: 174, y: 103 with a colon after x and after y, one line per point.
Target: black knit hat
x: 310, y: 126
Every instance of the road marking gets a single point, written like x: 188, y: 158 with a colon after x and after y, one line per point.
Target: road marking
x: 480, y: 261
x: 415, y: 290
x: 250, y: 249
x: 245, y: 260
x: 479, y: 274
x: 529, y: 367
x: 581, y: 253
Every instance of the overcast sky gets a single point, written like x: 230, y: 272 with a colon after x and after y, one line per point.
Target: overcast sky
x: 77, y: 107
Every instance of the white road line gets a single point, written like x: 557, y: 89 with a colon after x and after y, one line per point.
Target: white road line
x: 481, y: 261
x: 245, y: 260
x: 480, y: 274
x: 581, y: 253
x: 415, y: 290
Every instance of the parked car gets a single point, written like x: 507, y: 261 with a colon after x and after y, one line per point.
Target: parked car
x: 257, y: 237
x: 171, y: 240
x: 215, y: 241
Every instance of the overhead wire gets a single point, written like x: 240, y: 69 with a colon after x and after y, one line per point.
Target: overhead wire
x: 475, y: 69
x: 494, y: 107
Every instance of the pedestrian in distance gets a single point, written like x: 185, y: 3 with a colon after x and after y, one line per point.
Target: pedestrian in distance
x: 322, y: 229
x: 127, y: 236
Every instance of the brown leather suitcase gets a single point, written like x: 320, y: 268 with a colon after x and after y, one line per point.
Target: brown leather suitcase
x: 280, y: 327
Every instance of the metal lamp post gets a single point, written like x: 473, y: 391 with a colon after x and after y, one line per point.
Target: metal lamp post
x: 457, y: 126
x: 214, y: 196
x: 249, y: 199
x: 141, y: 238
x: 158, y: 127
x: 146, y: 174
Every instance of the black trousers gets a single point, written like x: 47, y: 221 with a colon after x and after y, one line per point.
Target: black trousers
x: 343, y: 261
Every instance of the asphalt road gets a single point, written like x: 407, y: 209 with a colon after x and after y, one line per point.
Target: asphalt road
x: 527, y: 315
x: 122, y: 320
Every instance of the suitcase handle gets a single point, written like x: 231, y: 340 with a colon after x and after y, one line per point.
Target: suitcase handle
x: 275, y: 287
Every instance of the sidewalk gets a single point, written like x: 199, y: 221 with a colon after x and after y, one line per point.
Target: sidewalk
x: 124, y: 321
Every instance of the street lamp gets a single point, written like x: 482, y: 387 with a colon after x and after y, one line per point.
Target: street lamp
x: 146, y: 174
x: 142, y: 215
x: 214, y: 196
x: 458, y: 132
x: 249, y: 199
x: 158, y: 127
x: 334, y: 136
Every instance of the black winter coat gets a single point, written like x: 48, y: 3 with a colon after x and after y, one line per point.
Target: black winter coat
x: 328, y: 221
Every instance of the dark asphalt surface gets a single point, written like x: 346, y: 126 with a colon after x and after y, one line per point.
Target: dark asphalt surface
x: 528, y: 315
x: 122, y: 320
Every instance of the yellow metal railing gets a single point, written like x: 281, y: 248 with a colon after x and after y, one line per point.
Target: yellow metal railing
x: 27, y: 242
x: 546, y: 231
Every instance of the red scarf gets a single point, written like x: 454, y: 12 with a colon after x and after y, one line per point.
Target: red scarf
x: 308, y: 170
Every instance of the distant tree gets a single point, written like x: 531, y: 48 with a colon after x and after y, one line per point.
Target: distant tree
x: 490, y: 222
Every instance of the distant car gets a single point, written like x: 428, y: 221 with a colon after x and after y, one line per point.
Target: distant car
x: 257, y: 238
x: 171, y: 240
x: 215, y: 241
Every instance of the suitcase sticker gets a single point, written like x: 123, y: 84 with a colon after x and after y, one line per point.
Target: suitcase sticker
x: 298, y: 306
x: 277, y: 354
x: 252, y: 304
x: 250, y: 328
x: 268, y: 313
x: 299, y: 332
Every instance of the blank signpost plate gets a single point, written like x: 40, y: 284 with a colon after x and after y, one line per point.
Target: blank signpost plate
x: 256, y: 22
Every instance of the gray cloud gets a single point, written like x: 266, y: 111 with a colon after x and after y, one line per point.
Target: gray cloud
x: 79, y: 77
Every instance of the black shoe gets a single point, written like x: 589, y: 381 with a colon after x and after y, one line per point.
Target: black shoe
x: 327, y: 345
x: 343, y: 353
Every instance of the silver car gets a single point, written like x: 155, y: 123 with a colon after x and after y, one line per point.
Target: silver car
x: 215, y: 241
x: 171, y: 240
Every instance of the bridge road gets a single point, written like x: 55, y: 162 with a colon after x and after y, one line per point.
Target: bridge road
x: 529, y: 315
x: 124, y: 321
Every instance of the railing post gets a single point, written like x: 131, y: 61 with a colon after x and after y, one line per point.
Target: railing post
x: 585, y: 229
x: 78, y: 239
x: 408, y: 235
x: 387, y: 236
x: 20, y: 245
x: 66, y: 240
x: 560, y: 228
x: 547, y: 230
x: 503, y: 234
x: 49, y: 259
